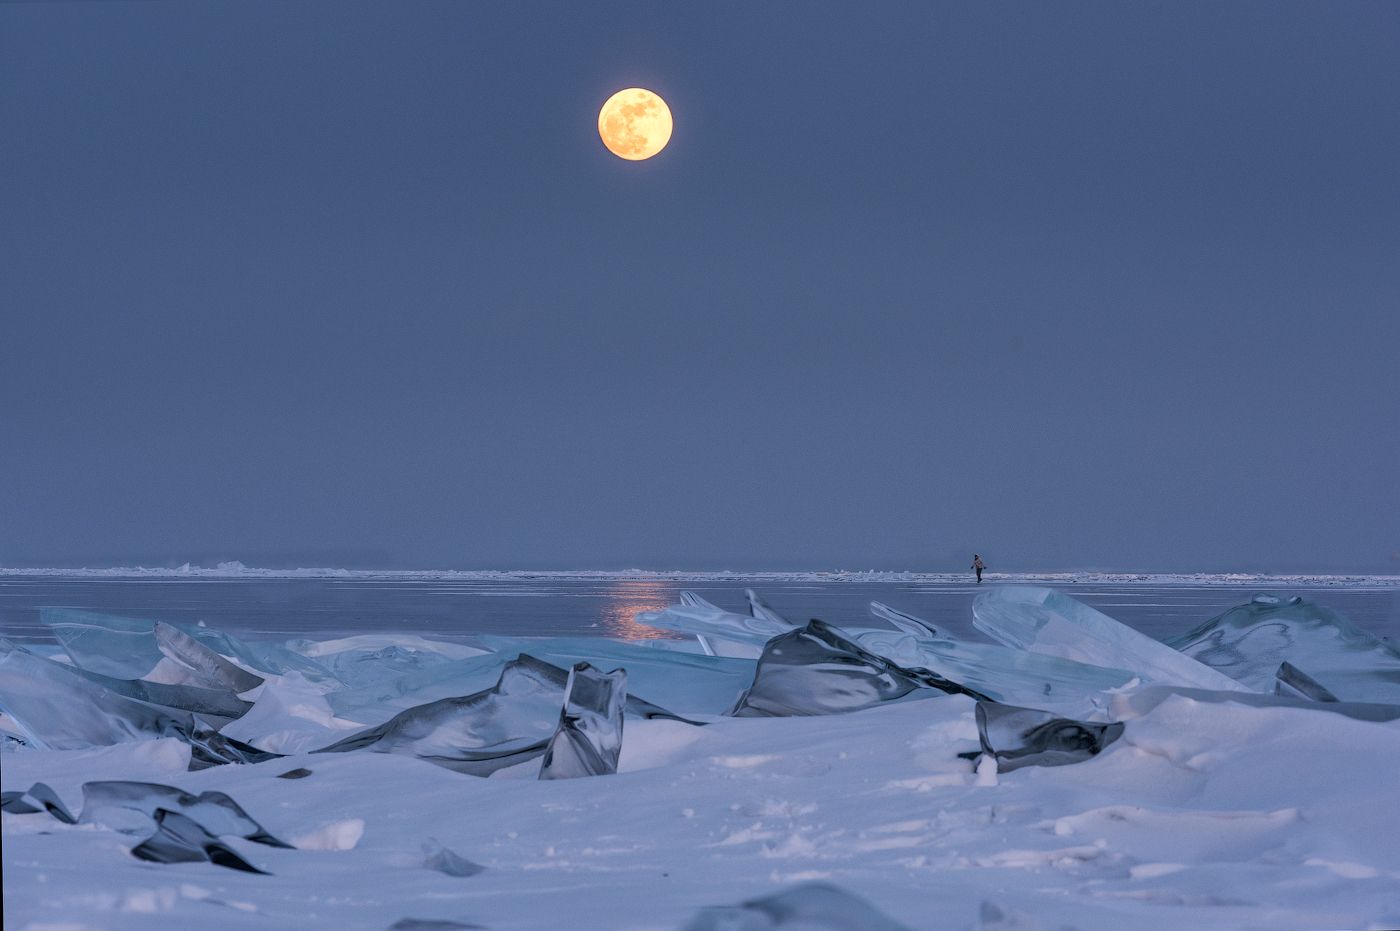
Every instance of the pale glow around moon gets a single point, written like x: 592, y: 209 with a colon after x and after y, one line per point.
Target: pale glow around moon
x: 635, y: 124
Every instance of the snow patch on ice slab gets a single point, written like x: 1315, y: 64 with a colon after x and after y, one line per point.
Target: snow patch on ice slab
x: 338, y: 835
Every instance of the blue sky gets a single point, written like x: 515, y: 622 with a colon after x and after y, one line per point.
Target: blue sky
x: 1074, y: 285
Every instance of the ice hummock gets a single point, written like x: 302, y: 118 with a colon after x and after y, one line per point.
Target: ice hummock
x: 1250, y: 641
x: 1001, y: 673
x: 511, y: 722
x: 1041, y: 620
x: 817, y: 670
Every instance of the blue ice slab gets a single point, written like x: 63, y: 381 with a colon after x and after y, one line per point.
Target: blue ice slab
x: 817, y: 670
x: 56, y: 708
x: 198, y: 665
x: 121, y: 647
x: 181, y: 839
x: 746, y: 633
x: 1045, y: 621
x: 508, y: 723
x: 686, y: 683
x: 127, y: 648
x: 477, y: 734
x: 216, y: 706
x: 1018, y: 737
x: 1003, y: 674
x: 383, y: 698
x: 1249, y: 642
x: 588, y: 740
x: 131, y: 807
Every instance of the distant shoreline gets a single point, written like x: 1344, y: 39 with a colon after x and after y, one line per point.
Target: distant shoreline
x: 234, y: 572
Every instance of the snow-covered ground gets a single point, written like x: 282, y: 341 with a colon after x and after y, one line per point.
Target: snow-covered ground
x: 1213, y: 810
x: 1201, y: 816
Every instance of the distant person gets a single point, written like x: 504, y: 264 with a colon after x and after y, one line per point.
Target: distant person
x: 978, y: 565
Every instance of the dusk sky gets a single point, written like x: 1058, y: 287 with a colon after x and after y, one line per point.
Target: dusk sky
x: 1074, y: 285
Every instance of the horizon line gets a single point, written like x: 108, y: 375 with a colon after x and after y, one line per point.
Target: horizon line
x: 237, y: 570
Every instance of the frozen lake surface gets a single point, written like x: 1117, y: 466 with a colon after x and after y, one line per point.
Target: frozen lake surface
x: 452, y: 607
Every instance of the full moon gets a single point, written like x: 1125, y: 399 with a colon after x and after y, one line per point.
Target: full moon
x: 635, y: 124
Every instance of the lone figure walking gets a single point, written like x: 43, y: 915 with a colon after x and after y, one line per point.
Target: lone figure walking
x: 978, y: 565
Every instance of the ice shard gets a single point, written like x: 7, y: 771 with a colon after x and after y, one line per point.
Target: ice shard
x: 688, y: 681
x: 508, y: 723
x: 210, y: 748
x: 127, y: 648
x: 189, y: 662
x: 382, y: 698
x: 588, y: 739
x: 818, y: 670
x: 179, y: 839
x: 728, y: 633
x: 57, y: 708
x: 758, y: 608
x: 678, y: 673
x: 476, y: 734
x: 1250, y: 641
x: 439, y: 858
x: 14, y: 803
x: 1045, y: 621
x: 1293, y: 682
x: 813, y: 906
x: 215, y: 706
x: 39, y: 797
x: 1002, y: 674
x: 367, y: 660
x: 300, y: 772
x: 1019, y: 737
x: 120, y: 647
x: 131, y: 807
x: 914, y: 626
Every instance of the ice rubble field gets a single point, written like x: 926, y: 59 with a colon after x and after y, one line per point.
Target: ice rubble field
x: 767, y: 775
